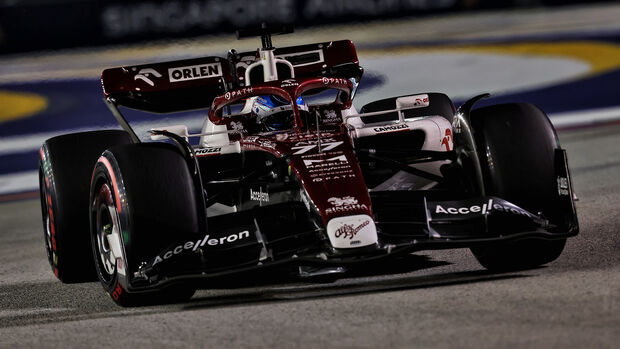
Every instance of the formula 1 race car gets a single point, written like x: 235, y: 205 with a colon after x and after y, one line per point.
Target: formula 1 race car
x: 287, y: 174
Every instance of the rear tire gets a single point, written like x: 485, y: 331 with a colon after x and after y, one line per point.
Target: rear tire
x: 140, y: 195
x: 516, y: 145
x: 65, y: 167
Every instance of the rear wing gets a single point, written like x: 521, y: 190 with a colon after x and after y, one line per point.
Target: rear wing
x: 194, y: 83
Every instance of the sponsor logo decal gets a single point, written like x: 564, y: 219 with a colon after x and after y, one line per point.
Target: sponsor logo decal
x: 466, y: 209
x: 324, y: 162
x: 237, y: 93
x: 325, y: 137
x: 259, y: 195
x: 562, y: 186
x: 193, y: 72
x: 330, y: 114
x: 334, y: 174
x: 447, y: 139
x: 334, y: 166
x: 344, y: 204
x: 329, y: 81
x: 352, y: 231
x: 145, y: 74
x: 343, y: 201
x: 348, y: 231
x: 330, y: 117
x: 329, y: 164
x: 207, y: 151
x: 385, y: 129
x: 193, y: 246
x: 421, y: 102
x: 416, y: 101
x: 237, y: 126
x: 260, y: 141
x: 289, y: 83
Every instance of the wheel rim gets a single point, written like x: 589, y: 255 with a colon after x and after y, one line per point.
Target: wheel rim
x: 107, y: 233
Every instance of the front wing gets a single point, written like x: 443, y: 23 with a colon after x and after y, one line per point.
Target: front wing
x: 256, y: 243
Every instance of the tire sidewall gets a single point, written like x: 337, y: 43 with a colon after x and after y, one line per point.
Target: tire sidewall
x: 49, y: 202
x: 132, y: 173
x: 65, y: 168
x: 106, y: 172
x: 516, y: 144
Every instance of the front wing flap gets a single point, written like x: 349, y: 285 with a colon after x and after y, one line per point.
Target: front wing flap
x: 282, y: 235
x: 479, y: 217
x: 449, y: 224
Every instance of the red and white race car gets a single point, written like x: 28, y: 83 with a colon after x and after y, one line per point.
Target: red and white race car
x: 287, y: 174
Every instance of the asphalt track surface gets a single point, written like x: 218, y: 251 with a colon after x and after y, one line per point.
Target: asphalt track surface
x: 432, y: 299
x: 429, y: 299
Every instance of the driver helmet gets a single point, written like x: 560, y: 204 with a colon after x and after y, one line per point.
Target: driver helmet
x: 275, y: 113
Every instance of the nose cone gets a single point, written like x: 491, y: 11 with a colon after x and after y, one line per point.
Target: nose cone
x: 333, y: 180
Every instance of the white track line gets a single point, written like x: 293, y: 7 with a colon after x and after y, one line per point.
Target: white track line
x: 19, y: 182
x: 33, y: 141
x: 585, y: 118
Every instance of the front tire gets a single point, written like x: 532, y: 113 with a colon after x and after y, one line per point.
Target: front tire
x: 516, y: 144
x: 65, y: 167
x: 140, y: 195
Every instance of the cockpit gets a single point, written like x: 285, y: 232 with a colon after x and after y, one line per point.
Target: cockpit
x: 269, y: 106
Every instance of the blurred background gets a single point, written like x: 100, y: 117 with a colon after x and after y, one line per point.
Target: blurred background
x: 29, y: 25
x: 561, y: 55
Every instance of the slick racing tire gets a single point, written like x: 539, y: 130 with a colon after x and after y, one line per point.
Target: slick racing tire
x: 65, y: 167
x: 438, y: 104
x: 141, y: 197
x: 516, y: 145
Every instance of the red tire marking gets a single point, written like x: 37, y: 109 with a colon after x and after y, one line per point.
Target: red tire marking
x: 108, y: 166
x: 117, y: 291
x: 52, y: 223
x: 50, y: 212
